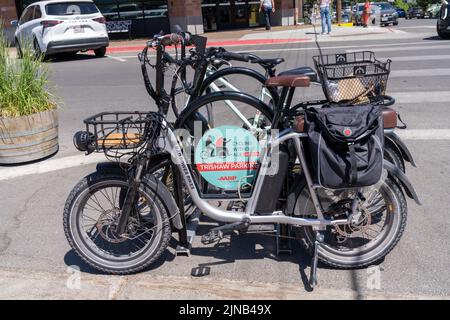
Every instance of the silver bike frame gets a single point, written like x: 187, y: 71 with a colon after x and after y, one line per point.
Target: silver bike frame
x: 178, y: 158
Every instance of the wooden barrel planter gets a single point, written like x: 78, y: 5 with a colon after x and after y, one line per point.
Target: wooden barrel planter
x: 28, y: 138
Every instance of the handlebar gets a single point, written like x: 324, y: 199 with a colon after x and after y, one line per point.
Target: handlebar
x: 388, y: 101
x: 235, y: 56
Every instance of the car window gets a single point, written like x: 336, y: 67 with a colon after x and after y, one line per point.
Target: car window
x: 27, y: 15
x: 37, y: 13
x: 385, y: 6
x: 70, y: 8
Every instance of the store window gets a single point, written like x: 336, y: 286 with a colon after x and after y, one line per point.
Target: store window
x: 135, y: 18
x: 230, y: 14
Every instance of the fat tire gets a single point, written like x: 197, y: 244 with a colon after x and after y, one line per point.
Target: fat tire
x: 331, y: 262
x: 392, y: 154
x: 148, y: 186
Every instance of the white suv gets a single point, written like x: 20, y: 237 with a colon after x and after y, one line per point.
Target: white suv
x: 62, y: 26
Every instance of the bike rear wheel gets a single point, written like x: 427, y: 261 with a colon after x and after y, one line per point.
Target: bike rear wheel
x: 364, y: 242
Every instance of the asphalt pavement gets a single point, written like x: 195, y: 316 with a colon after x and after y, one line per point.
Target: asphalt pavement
x: 35, y: 256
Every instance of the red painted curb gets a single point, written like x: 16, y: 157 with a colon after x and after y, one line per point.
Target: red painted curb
x: 218, y: 44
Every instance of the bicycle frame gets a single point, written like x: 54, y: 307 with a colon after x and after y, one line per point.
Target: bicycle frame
x: 178, y: 158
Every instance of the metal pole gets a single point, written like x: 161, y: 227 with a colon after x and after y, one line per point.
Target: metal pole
x: 339, y: 11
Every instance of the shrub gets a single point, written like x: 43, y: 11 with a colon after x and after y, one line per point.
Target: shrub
x: 24, y: 85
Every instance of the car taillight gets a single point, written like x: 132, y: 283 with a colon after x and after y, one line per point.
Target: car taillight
x: 100, y: 20
x: 50, y: 23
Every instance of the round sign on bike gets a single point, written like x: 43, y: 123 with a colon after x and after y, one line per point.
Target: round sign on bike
x: 227, y: 157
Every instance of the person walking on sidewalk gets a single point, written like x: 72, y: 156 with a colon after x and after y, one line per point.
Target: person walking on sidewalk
x: 325, y: 15
x: 267, y: 7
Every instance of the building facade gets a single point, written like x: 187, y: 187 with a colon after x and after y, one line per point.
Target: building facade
x: 142, y: 18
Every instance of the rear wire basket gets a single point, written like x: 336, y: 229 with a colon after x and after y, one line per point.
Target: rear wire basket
x: 119, y: 134
x: 353, y: 78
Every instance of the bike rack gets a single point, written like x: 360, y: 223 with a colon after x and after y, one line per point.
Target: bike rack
x: 184, y: 249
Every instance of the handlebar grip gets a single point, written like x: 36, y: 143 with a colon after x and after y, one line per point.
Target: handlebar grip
x: 388, y: 101
x: 235, y: 56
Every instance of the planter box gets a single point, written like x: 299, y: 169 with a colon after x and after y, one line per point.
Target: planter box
x: 28, y: 138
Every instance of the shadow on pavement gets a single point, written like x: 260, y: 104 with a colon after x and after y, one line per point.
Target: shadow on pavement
x: 72, y: 57
x: 435, y: 38
x: 72, y: 259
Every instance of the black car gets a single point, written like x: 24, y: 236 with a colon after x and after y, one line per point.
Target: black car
x: 415, y: 13
x: 443, y: 23
x: 401, y: 12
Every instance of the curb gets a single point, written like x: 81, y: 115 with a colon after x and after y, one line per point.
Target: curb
x: 230, y: 43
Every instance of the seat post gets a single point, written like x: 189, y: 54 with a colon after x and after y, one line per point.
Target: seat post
x: 279, y: 107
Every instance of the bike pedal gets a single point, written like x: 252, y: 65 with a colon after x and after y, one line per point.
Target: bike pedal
x: 261, y: 228
x: 212, y: 236
x: 217, y: 233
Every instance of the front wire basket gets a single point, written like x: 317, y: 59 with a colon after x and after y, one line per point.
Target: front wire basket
x: 353, y: 78
x: 119, y: 134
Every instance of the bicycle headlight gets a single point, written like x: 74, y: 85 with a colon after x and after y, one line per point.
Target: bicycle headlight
x: 84, y: 141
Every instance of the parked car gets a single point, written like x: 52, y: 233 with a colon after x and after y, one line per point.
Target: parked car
x: 388, y: 14
x: 67, y: 26
x: 432, y: 10
x: 401, y: 12
x: 443, y: 23
x: 414, y: 12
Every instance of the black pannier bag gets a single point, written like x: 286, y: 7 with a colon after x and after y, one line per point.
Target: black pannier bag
x: 345, y: 145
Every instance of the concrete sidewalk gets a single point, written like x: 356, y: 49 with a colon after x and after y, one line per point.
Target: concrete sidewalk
x: 23, y: 284
x: 278, y: 35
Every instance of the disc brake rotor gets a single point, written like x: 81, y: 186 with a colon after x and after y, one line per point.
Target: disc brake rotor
x: 358, y: 224
x: 107, y: 225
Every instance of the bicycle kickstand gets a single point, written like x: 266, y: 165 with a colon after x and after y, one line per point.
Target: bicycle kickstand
x: 313, y: 275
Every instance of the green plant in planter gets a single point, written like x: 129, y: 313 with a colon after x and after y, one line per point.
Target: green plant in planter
x: 24, y: 86
x: 28, y: 115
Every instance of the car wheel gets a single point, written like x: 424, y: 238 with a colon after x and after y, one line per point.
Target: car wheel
x: 395, y: 23
x: 442, y: 35
x: 37, y: 49
x: 18, y: 49
x: 100, y: 52
x: 66, y: 55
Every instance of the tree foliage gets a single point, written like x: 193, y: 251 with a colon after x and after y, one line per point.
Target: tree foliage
x: 401, y: 4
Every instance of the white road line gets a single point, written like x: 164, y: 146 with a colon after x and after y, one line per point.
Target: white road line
x: 419, y: 58
x: 420, y: 73
x: 80, y: 160
x: 418, y: 27
x: 50, y: 165
x: 424, y: 134
x: 421, y: 96
x: 409, y: 48
x: 117, y: 58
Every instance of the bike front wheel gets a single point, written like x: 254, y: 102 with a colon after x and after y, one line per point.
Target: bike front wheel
x: 91, y: 215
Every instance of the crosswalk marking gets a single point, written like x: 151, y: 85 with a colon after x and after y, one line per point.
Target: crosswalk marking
x: 421, y: 96
x: 414, y: 97
x: 420, y: 73
x: 424, y: 134
x: 417, y: 58
x: 410, y: 48
x: 81, y: 160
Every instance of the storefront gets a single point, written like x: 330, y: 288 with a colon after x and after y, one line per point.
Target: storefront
x: 144, y: 18
x: 230, y: 14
